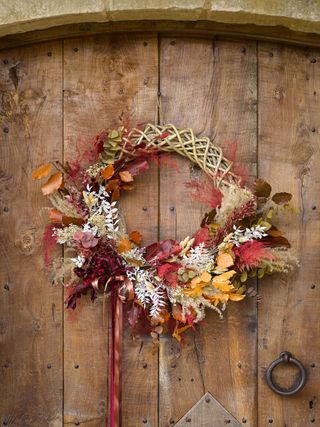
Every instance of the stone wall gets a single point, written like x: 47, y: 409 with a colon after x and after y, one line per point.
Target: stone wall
x: 18, y: 16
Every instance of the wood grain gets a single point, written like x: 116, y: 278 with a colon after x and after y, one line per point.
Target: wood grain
x: 210, y: 87
x: 208, y: 412
x: 109, y: 81
x: 30, y: 307
x: 289, y: 89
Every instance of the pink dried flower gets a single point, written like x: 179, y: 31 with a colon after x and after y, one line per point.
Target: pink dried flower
x: 86, y: 238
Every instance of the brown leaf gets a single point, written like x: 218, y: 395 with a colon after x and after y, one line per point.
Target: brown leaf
x: 276, y: 241
x: 53, y: 183
x: 262, y: 188
x: 67, y: 220
x: 128, y: 186
x: 115, y: 195
x: 281, y: 198
x: 41, y: 171
x: 107, y: 172
x: 124, y: 245
x: 126, y: 176
x: 275, y: 232
x: 112, y: 184
x: 135, y: 237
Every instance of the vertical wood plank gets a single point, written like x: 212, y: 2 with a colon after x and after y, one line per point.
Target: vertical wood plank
x: 289, y: 89
x: 210, y: 87
x: 30, y: 307
x: 110, y: 80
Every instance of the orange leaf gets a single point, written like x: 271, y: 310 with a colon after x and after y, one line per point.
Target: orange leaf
x: 112, y: 184
x: 107, y: 172
x: 135, y: 237
x: 55, y: 215
x: 53, y: 183
x: 224, y: 260
x: 124, y: 245
x: 177, y: 313
x: 41, y: 171
x: 115, y: 195
x: 126, y: 176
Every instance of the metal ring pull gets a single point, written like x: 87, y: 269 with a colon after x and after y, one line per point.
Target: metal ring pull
x: 286, y: 357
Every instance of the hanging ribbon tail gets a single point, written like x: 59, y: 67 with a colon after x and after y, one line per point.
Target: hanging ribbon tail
x: 115, y: 359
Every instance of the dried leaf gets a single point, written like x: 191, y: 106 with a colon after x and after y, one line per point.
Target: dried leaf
x: 135, y: 237
x: 281, y: 198
x: 128, y: 186
x: 55, y: 215
x: 112, y: 184
x: 124, y: 245
x: 41, y: 171
x: 262, y: 188
x: 107, y: 172
x: 274, y: 231
x: 236, y: 297
x: 53, y: 183
x: 68, y: 220
x: 126, y: 176
x: 115, y: 195
x: 224, y: 260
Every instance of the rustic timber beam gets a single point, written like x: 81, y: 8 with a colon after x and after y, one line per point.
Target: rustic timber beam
x: 202, y: 29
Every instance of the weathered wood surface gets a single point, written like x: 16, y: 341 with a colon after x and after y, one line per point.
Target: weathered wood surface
x: 289, y: 90
x: 110, y: 80
x: 210, y: 87
x: 208, y: 412
x: 30, y: 307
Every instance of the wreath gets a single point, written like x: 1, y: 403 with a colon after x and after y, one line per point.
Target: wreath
x: 168, y: 285
x: 169, y: 279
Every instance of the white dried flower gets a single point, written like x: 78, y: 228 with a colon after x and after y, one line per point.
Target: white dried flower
x: 199, y: 258
x: 79, y: 261
x: 240, y: 236
x: 147, y: 290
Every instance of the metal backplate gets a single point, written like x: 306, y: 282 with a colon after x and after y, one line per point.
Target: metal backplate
x: 208, y: 412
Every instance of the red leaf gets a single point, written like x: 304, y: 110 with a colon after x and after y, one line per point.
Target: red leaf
x: 201, y: 236
x: 205, y: 193
x: 137, y: 166
x: 49, y: 242
x: 250, y: 254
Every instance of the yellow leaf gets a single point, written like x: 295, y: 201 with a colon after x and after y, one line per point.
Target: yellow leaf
x: 236, y: 297
x: 41, y: 171
x: 178, y: 331
x: 53, y: 183
x: 205, y: 277
x: 224, y: 260
x: 224, y: 287
x: 224, y: 276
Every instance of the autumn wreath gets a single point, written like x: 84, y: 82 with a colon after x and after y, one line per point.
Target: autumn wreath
x: 169, y: 284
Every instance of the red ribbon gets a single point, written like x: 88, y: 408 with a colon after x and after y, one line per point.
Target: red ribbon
x: 118, y: 297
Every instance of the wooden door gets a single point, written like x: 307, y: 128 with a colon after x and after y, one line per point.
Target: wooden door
x: 264, y: 96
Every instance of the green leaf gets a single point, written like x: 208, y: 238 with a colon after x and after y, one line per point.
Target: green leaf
x: 244, y: 277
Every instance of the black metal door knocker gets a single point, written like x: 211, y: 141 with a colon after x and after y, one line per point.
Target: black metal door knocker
x: 286, y: 357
